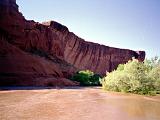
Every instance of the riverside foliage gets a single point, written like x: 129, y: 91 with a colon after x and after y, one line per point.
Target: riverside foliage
x: 134, y: 77
x: 87, y: 78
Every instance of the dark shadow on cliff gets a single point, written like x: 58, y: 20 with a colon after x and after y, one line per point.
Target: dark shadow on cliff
x: 9, y: 88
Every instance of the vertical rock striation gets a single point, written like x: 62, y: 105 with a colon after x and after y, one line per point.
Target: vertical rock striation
x: 54, y: 43
x: 96, y: 57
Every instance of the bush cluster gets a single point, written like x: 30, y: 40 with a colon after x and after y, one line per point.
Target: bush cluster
x: 134, y: 77
x: 87, y: 78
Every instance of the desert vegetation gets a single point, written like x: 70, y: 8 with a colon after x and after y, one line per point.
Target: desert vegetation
x: 87, y: 78
x: 135, y: 77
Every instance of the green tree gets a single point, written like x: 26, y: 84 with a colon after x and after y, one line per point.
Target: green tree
x: 134, y: 77
x: 153, y: 62
x: 154, y: 75
x: 86, y: 77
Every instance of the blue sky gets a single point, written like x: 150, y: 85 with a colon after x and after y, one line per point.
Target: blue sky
x: 130, y: 24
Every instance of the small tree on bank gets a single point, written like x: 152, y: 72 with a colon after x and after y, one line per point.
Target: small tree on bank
x: 87, y: 78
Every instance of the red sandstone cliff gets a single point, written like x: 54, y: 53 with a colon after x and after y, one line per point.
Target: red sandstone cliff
x: 49, y: 50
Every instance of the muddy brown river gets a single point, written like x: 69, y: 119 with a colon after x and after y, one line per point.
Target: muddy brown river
x: 76, y: 104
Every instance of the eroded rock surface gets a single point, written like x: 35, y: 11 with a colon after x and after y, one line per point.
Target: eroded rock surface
x: 33, y: 50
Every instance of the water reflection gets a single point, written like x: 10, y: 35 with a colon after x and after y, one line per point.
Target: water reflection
x: 130, y: 107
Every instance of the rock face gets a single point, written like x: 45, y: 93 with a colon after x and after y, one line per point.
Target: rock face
x: 98, y: 58
x: 20, y: 68
x: 34, y: 51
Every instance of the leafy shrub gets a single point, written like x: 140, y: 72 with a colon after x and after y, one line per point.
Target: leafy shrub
x: 86, y: 77
x: 134, y: 77
x: 153, y: 62
x: 154, y: 75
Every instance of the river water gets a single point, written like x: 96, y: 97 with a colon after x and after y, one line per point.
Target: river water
x: 76, y: 104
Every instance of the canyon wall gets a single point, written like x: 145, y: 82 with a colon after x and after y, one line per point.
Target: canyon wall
x: 49, y: 49
x: 93, y: 56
